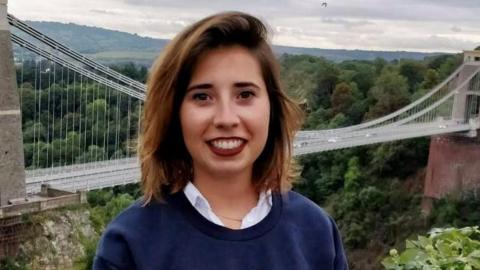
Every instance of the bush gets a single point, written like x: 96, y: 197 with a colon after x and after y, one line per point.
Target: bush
x: 102, y: 215
x: 456, y: 212
x: 451, y: 248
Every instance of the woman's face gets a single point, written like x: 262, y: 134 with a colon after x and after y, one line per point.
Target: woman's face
x: 225, y: 113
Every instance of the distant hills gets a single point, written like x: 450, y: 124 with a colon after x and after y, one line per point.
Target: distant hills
x: 109, y: 46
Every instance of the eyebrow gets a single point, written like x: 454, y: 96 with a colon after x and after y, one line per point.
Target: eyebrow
x: 199, y: 86
x: 246, y: 84
x: 209, y: 85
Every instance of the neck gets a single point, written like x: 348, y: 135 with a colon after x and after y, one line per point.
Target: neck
x: 228, y: 195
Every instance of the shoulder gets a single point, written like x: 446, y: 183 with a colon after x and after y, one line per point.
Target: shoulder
x: 314, y: 225
x: 297, y: 205
x: 128, y: 231
x: 135, y: 215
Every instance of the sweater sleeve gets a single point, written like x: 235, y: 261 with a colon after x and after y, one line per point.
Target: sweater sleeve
x: 113, y: 252
x: 100, y: 263
x: 340, y: 262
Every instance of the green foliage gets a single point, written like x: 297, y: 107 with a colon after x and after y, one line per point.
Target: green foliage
x: 310, y: 78
x: 75, y: 112
x: 10, y: 263
x: 340, y: 120
x: 449, y: 65
x: 432, y: 78
x: 389, y: 94
x: 90, y: 248
x: 364, y: 188
x: 413, y: 71
x: 341, y: 98
x: 371, y: 198
x: 101, y: 216
x: 457, y: 212
x: 361, y: 73
x: 317, y: 119
x: 99, y: 197
x: 411, y: 154
x: 106, y: 204
x: 353, y: 176
x: 451, y: 248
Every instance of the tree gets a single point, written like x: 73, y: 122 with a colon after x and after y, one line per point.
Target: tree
x: 379, y: 64
x: 413, y: 71
x: 430, y: 80
x: 94, y: 153
x: 390, y: 93
x: 326, y: 81
x: 338, y: 121
x: 95, y: 110
x: 27, y: 96
x: 341, y: 98
x: 311, y: 78
x: 361, y: 73
x: 449, y: 65
x: 353, y: 176
x: 317, y: 119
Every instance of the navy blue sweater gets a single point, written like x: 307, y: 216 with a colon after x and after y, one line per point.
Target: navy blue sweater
x: 295, y: 235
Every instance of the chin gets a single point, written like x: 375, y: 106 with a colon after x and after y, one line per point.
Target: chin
x: 227, y: 169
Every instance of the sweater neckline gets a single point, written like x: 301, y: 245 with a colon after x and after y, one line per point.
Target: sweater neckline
x: 180, y: 201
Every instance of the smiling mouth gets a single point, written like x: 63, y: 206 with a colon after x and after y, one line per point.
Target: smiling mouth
x: 227, y: 147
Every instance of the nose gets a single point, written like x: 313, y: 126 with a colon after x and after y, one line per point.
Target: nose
x: 226, y: 116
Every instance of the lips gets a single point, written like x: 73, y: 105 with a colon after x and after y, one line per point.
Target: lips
x: 226, y: 146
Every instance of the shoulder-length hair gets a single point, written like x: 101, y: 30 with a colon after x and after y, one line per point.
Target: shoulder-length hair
x: 166, y: 165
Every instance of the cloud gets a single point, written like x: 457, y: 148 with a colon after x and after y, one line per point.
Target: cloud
x: 105, y: 11
x: 347, y: 23
x: 456, y: 29
x: 433, y: 25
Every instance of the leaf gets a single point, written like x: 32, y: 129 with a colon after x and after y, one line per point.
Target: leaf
x: 475, y: 254
x: 424, y: 241
x: 408, y: 255
x: 410, y: 244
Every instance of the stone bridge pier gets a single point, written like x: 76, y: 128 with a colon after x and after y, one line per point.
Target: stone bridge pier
x: 453, y: 166
x: 12, y: 169
x: 454, y: 160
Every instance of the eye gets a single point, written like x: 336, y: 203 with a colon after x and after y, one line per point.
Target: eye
x: 246, y: 94
x: 200, y: 96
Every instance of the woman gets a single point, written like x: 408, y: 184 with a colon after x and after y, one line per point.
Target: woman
x: 216, y: 163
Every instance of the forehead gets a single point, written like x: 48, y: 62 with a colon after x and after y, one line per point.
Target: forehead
x: 226, y: 64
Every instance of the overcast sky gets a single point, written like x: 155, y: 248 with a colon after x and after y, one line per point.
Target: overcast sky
x: 414, y: 25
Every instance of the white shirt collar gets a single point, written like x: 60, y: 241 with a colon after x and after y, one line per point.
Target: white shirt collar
x: 256, y: 214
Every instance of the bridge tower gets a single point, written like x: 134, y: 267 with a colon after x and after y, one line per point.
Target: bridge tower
x: 461, y: 100
x: 454, y: 160
x: 12, y: 169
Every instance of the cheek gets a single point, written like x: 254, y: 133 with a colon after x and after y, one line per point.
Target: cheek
x: 261, y: 118
x: 192, y: 122
x: 186, y: 123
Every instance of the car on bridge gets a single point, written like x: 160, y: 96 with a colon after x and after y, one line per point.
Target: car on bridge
x: 332, y: 140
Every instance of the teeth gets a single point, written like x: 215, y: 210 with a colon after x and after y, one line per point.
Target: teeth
x: 226, y: 144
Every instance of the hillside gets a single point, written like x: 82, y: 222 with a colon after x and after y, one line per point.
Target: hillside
x: 115, y: 46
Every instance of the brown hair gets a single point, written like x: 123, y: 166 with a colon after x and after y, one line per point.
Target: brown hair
x: 165, y: 162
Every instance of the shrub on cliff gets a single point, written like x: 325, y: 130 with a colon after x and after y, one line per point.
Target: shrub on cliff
x: 451, y: 248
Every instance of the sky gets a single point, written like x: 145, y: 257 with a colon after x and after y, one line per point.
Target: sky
x: 391, y: 25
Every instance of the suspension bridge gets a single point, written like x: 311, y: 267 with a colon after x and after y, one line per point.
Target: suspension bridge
x: 81, y: 119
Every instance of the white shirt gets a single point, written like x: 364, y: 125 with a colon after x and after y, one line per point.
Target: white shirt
x: 256, y: 214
